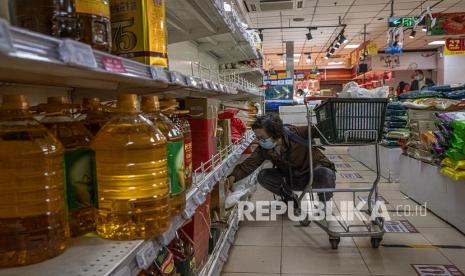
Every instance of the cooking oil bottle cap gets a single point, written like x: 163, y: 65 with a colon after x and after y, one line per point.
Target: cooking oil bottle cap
x: 15, y: 102
x: 128, y: 103
x: 150, y: 104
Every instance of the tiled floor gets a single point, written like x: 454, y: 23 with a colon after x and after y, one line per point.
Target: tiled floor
x: 283, y: 247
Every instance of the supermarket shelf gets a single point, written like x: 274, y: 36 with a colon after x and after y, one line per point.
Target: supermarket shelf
x: 91, y: 255
x: 30, y: 58
x: 215, y: 30
x: 256, y: 72
x: 220, y: 254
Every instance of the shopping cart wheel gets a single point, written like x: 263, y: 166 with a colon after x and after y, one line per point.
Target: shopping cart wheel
x: 306, y: 221
x: 334, y: 241
x: 376, y: 242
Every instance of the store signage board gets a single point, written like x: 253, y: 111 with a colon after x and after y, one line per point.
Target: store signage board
x: 448, y: 24
x: 406, y: 61
x: 404, y: 21
x: 399, y: 226
x: 437, y: 270
x: 113, y: 64
x: 454, y: 46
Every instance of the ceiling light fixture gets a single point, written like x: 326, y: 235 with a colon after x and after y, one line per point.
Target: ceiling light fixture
x: 309, y: 34
x: 437, y: 42
x: 352, y: 46
x: 296, y: 60
x: 412, y: 34
x: 335, y: 63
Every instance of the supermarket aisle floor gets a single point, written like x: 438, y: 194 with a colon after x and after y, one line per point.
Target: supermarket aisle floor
x: 283, y: 247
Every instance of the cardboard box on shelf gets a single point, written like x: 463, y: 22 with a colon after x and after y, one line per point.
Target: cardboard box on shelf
x: 202, y: 107
x: 218, y: 200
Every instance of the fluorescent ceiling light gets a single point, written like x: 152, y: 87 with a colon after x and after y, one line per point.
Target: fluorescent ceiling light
x: 335, y: 63
x: 296, y: 60
x: 437, y: 42
x: 352, y: 46
x: 297, y: 55
x: 309, y: 60
x: 281, y: 61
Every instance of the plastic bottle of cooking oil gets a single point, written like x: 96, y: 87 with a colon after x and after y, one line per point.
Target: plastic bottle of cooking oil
x: 33, y: 224
x: 93, y: 115
x: 179, y: 118
x: 132, y: 173
x: 79, y: 160
x: 175, y: 150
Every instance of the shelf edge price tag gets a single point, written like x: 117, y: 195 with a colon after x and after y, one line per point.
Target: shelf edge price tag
x: 113, y: 64
x: 146, y: 255
x: 77, y: 53
x: 6, y: 44
x: 159, y: 74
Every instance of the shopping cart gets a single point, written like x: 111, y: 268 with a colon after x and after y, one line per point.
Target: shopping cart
x: 346, y: 122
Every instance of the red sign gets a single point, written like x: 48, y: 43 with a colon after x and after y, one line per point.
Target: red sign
x: 113, y: 64
x: 454, y: 46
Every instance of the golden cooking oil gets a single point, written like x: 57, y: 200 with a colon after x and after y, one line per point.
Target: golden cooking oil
x: 79, y: 160
x: 93, y: 115
x: 33, y: 224
x: 132, y: 173
x: 175, y: 151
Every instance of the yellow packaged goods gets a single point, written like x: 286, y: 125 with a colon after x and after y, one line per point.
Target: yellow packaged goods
x: 456, y: 165
x: 32, y: 204
x: 139, y: 30
x: 454, y: 174
x: 132, y: 175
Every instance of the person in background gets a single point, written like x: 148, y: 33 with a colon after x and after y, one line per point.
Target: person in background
x: 420, y: 81
x: 402, y: 88
x: 286, y: 146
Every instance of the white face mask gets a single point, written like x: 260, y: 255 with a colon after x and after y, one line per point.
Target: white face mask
x: 419, y: 77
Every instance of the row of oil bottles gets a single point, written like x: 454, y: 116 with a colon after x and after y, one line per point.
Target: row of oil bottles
x: 123, y: 173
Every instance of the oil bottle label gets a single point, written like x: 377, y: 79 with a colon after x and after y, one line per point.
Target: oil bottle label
x: 96, y: 7
x: 176, y: 166
x: 81, y: 185
x: 188, y: 160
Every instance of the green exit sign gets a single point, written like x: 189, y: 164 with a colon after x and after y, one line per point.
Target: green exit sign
x: 405, y: 21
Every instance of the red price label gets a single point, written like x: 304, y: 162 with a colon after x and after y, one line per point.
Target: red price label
x: 113, y: 64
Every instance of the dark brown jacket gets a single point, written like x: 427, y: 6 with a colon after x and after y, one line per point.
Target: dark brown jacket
x: 298, y: 157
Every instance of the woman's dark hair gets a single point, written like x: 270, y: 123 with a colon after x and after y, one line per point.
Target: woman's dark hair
x: 419, y: 72
x: 271, y: 123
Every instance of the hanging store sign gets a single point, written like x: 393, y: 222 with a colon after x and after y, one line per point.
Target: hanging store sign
x: 404, y: 21
x: 448, y: 24
x: 454, y: 46
x: 372, y: 49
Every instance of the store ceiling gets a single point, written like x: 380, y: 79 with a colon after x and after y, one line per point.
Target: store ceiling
x: 354, y: 13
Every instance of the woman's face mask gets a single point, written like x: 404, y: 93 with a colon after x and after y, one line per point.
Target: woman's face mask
x: 266, y: 143
x: 418, y: 77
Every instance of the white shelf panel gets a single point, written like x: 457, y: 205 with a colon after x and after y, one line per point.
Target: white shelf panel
x: 90, y: 255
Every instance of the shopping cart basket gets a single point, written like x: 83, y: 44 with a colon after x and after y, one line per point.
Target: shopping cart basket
x: 347, y: 122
